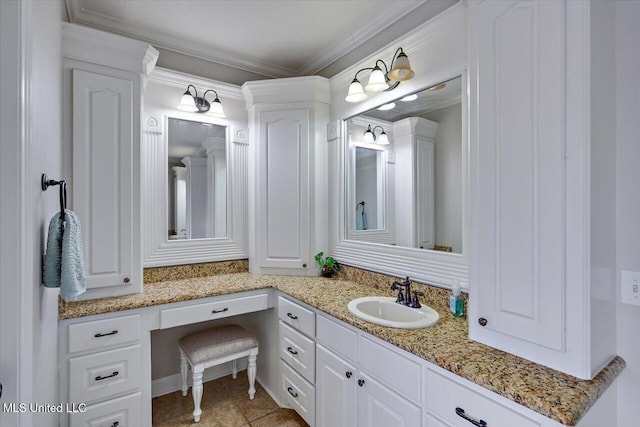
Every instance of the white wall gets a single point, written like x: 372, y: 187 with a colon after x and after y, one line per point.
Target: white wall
x: 628, y: 200
x: 31, y: 145
x: 448, y: 176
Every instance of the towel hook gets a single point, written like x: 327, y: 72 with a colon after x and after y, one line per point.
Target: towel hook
x: 45, y: 183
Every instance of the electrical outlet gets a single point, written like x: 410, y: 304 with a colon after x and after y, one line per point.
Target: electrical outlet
x: 630, y: 287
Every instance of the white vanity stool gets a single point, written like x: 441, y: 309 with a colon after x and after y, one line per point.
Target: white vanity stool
x: 204, y: 349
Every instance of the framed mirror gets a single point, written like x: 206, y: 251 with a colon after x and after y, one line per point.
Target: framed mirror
x: 405, y: 184
x: 194, y: 175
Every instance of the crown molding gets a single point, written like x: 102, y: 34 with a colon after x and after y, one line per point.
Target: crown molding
x: 392, y: 14
x: 180, y: 80
x: 292, y: 89
x: 112, y: 50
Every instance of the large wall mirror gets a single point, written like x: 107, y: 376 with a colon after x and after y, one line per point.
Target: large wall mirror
x: 194, y: 175
x: 405, y: 171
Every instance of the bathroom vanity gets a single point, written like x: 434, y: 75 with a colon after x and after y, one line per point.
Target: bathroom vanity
x: 346, y: 371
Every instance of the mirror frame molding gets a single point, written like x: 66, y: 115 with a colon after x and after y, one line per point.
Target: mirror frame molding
x: 157, y: 249
x: 426, y: 266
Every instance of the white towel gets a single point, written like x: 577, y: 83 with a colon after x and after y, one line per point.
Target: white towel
x: 64, y: 259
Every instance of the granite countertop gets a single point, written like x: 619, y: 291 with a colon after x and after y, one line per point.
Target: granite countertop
x: 553, y: 394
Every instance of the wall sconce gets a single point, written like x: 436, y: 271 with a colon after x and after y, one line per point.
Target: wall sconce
x: 370, y: 136
x: 381, y: 81
x: 195, y: 104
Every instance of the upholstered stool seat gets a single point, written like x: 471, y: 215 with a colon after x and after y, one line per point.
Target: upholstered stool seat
x: 215, y: 346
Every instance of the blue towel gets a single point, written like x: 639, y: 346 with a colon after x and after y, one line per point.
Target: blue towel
x: 64, y: 259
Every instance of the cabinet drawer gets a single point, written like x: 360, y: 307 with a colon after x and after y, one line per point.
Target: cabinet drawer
x: 122, y: 412
x: 214, y: 310
x: 299, y: 393
x: 103, y: 333
x: 101, y: 375
x: 297, y: 316
x: 444, y: 396
x: 338, y: 338
x: 391, y: 368
x: 298, y: 351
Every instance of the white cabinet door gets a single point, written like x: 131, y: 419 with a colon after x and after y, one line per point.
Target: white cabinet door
x: 103, y: 168
x: 380, y: 407
x: 335, y: 390
x: 283, y: 207
x: 518, y: 170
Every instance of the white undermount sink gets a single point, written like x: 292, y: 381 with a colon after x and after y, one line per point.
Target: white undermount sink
x: 385, y: 311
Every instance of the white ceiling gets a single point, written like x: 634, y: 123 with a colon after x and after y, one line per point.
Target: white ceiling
x: 274, y: 38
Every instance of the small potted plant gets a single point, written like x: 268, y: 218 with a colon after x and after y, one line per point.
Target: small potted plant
x: 328, y: 264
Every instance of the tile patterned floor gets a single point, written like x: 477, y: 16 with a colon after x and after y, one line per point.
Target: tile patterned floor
x: 225, y: 403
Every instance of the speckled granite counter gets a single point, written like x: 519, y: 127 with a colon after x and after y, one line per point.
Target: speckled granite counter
x: 556, y: 395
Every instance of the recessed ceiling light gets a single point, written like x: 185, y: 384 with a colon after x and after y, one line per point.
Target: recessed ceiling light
x: 388, y: 106
x: 410, y: 98
x: 438, y: 87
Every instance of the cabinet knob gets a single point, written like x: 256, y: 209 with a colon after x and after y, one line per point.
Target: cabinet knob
x: 348, y: 374
x: 482, y: 321
x: 126, y: 280
x: 304, y: 265
x: 360, y: 382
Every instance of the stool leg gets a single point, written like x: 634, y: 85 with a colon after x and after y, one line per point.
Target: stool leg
x: 251, y: 373
x: 234, y: 372
x: 184, y: 369
x: 197, y: 391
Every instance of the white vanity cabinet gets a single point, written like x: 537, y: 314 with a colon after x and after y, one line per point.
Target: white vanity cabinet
x: 362, y: 383
x: 104, y: 79
x: 102, y: 364
x: 287, y: 173
x: 296, y: 348
x: 542, y: 277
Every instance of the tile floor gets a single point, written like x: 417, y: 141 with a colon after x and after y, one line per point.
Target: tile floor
x: 225, y: 403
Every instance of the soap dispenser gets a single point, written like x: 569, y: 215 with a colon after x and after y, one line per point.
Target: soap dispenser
x: 456, y: 303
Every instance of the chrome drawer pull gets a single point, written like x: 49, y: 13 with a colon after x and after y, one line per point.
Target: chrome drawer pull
x: 291, y: 316
x: 473, y: 421
x: 106, y: 335
x: 100, y: 378
x: 115, y: 424
x: 292, y: 351
x: 291, y: 392
x: 220, y: 311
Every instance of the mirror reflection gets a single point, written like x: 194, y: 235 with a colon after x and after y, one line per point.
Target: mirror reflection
x: 197, y: 173
x: 404, y: 171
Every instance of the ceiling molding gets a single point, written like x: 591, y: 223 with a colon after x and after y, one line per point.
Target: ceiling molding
x: 384, y: 20
x: 180, y: 80
x: 392, y: 14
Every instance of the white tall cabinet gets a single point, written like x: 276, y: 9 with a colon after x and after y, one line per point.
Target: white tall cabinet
x: 287, y: 174
x: 541, y: 282
x: 104, y: 78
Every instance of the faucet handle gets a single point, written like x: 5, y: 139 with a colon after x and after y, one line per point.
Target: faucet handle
x: 414, y: 302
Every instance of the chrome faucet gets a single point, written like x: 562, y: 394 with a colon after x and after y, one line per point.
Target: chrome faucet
x: 406, y: 298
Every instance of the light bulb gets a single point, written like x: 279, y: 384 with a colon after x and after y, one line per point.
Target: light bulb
x: 216, y: 108
x: 356, y: 92
x: 187, y: 103
x: 377, y: 81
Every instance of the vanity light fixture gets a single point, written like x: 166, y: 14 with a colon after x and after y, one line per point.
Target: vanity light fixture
x: 380, y: 80
x: 370, y: 136
x: 195, y: 104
